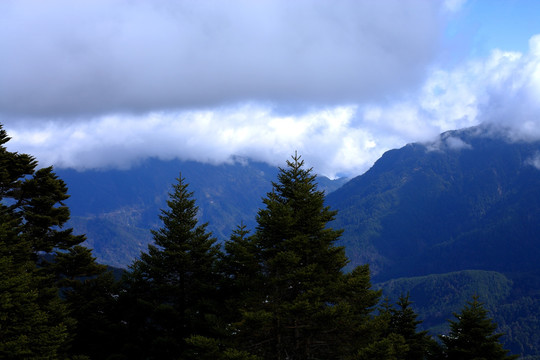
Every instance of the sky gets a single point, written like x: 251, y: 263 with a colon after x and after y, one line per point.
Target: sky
x: 98, y: 84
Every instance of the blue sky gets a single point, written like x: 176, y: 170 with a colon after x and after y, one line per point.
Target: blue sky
x: 502, y: 24
x: 106, y: 83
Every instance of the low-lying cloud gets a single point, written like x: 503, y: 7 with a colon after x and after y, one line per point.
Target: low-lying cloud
x: 534, y: 161
x: 325, y: 137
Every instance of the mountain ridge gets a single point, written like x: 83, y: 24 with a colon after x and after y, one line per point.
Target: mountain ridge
x: 458, y: 215
x: 116, y: 209
x: 418, y: 204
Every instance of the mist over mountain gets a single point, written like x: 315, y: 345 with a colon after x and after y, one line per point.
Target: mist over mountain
x: 449, y: 219
x: 443, y: 220
x: 469, y: 200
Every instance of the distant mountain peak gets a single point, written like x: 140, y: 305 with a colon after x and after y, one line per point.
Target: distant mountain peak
x: 468, y: 200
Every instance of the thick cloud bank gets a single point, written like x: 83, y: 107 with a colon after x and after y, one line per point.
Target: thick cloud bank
x: 65, y: 58
x: 107, y: 83
x: 325, y: 137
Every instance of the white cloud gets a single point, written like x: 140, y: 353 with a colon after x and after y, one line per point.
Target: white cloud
x: 107, y: 83
x: 455, y: 143
x: 534, y: 161
x: 502, y: 89
x: 337, y: 140
x: 324, y: 137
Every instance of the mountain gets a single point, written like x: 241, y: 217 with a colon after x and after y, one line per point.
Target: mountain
x: 444, y: 220
x: 450, y: 219
x: 117, y: 208
x: 437, y: 296
x: 512, y: 301
x: 470, y: 200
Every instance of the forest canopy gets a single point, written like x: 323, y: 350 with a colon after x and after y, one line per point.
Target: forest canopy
x: 278, y: 291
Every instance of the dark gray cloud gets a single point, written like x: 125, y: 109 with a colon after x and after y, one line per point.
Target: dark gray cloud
x: 65, y: 58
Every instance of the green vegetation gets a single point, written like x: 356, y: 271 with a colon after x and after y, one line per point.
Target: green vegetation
x: 278, y: 293
x: 173, y: 289
x: 472, y: 336
x: 422, y: 210
x: 39, y: 260
x: 305, y: 306
x: 511, y: 300
x: 439, y: 295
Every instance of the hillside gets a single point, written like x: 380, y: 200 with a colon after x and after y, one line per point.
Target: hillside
x: 443, y: 220
x: 117, y: 208
x: 467, y: 201
x: 512, y: 300
x: 450, y: 219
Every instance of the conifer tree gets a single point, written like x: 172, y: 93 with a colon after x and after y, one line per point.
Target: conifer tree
x: 472, y: 336
x: 403, y: 321
x: 33, y: 217
x: 75, y: 263
x: 173, y: 286
x: 306, y: 308
x: 27, y: 331
x: 90, y: 291
x: 390, y: 347
x: 42, y: 207
x: 93, y: 303
x: 242, y: 272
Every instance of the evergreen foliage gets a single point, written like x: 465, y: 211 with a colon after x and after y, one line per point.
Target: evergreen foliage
x: 172, y: 288
x: 395, y: 335
x: 472, y: 336
x: 27, y: 331
x: 403, y: 322
x: 242, y: 272
x: 279, y: 293
x: 35, y: 323
x: 306, y: 307
x: 392, y: 347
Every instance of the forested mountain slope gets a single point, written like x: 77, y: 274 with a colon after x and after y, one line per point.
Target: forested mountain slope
x: 470, y: 200
x: 512, y: 300
x: 117, y: 208
x: 444, y: 221
x: 450, y: 219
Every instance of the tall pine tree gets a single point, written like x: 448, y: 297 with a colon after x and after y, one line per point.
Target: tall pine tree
x: 403, y: 321
x: 33, y: 216
x: 307, y: 307
x: 172, y: 288
x: 472, y: 336
x: 242, y: 273
x: 27, y: 330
